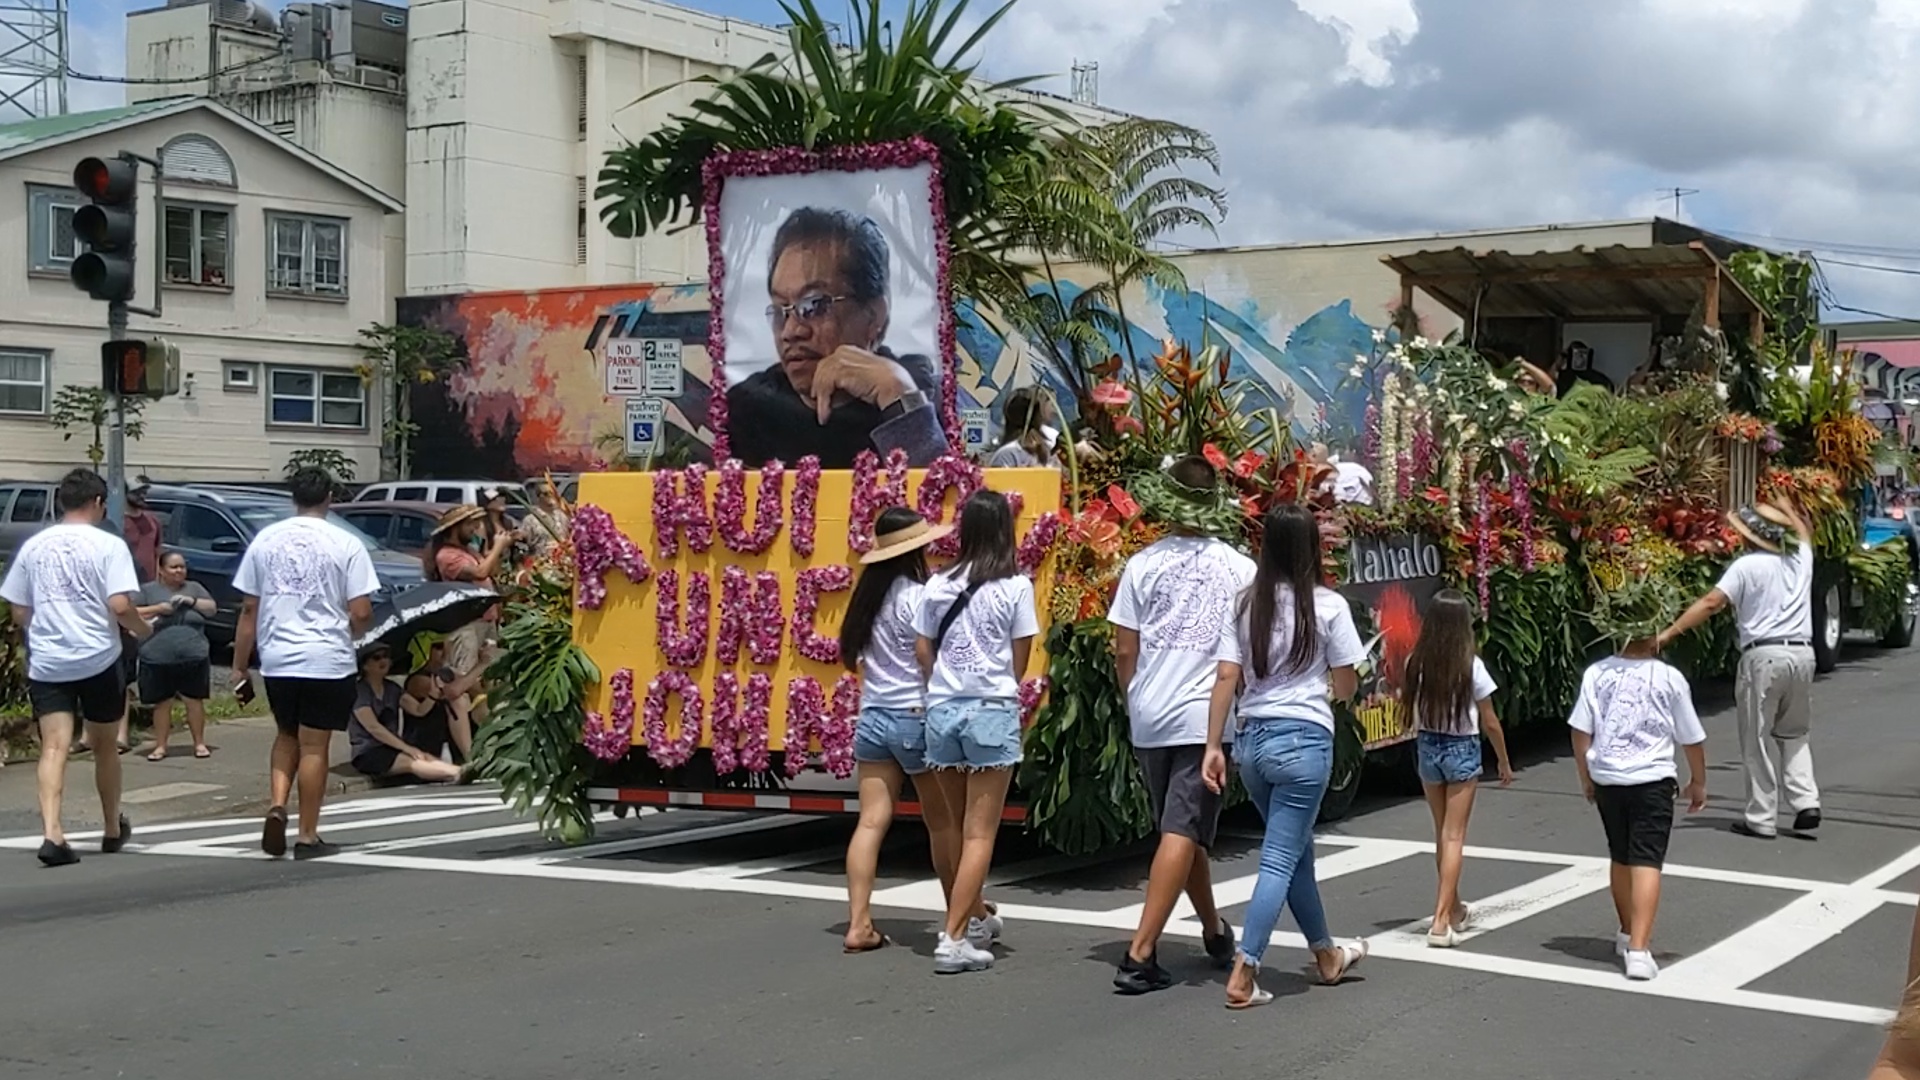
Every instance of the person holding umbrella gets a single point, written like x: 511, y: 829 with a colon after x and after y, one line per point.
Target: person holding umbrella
x: 378, y: 748
x: 436, y: 607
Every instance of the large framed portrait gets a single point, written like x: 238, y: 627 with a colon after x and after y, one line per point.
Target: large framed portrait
x: 831, y: 328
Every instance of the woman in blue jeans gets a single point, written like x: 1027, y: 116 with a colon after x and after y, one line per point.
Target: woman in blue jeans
x: 1293, y: 645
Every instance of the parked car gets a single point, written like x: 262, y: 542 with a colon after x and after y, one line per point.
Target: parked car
x: 26, y: 507
x: 402, y: 526
x: 213, y: 528
x: 465, y: 492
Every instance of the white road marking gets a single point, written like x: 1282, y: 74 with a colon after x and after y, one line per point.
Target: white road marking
x: 179, y: 789
x: 664, y: 839
x: 1775, y: 940
x: 1358, y: 856
x: 353, y: 826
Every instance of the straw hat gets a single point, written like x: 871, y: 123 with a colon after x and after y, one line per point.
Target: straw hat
x: 457, y: 517
x: 1766, y: 527
x: 1638, y: 609
x: 900, y: 541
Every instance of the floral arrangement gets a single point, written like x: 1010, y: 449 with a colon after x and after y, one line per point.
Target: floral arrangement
x: 599, y: 546
x: 680, y: 510
x: 1745, y: 427
x: 740, y: 723
x: 808, y: 586
x: 793, y: 161
x: 671, y: 753
x: 1032, y: 692
x: 750, y: 614
x: 949, y: 474
x: 684, y: 644
x: 1039, y: 541
x: 806, y: 506
x: 610, y: 738
x: 872, y: 494
x: 810, y: 718
x: 730, y: 507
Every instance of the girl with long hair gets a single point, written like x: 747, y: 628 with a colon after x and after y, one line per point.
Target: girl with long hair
x: 976, y: 626
x: 1449, y: 694
x: 1025, y: 415
x: 1293, y: 643
x: 877, y: 640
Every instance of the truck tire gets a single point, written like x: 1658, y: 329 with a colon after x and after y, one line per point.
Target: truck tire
x: 1349, y: 761
x: 1899, y: 633
x: 1829, y: 623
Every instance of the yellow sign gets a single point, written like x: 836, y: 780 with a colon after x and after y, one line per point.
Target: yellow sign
x: 624, y: 632
x: 1383, y: 721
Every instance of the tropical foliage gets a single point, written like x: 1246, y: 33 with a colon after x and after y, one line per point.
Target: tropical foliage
x: 81, y: 408
x: 399, y: 358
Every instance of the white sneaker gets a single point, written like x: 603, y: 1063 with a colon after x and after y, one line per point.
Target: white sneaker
x: 1621, y: 942
x: 950, y: 957
x: 1640, y: 965
x: 984, y: 932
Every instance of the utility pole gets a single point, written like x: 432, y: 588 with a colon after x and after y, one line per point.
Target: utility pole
x: 1677, y: 194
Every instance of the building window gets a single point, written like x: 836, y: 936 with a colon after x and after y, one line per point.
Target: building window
x: 197, y: 159
x: 306, y: 256
x: 310, y: 397
x: 51, y: 244
x: 23, y: 382
x: 239, y: 375
x: 196, y: 240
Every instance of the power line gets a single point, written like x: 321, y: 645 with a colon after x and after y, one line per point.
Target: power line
x: 1913, y: 271
x: 122, y: 80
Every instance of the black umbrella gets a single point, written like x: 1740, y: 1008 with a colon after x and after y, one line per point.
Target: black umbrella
x: 438, y: 607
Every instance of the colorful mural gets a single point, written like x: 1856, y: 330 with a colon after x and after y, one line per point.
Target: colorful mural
x: 532, y: 396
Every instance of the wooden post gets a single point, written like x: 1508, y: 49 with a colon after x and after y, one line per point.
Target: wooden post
x: 1712, y: 318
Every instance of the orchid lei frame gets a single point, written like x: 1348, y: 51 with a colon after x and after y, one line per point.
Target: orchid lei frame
x: 793, y: 161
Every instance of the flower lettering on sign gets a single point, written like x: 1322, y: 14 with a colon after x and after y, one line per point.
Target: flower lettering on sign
x: 750, y: 613
x: 836, y: 746
x: 740, y: 738
x: 730, y: 507
x: 675, y: 751
x: 806, y: 506
x: 610, y: 738
x: 599, y: 546
x: 1039, y: 541
x: 811, y: 719
x: 948, y: 474
x: 683, y: 643
x: 871, y: 495
x: 808, y: 585
x: 680, y: 509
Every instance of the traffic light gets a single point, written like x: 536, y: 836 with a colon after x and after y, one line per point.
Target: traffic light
x: 106, y: 225
x: 149, y: 368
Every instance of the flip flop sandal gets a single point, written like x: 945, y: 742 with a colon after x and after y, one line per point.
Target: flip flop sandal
x: 157, y: 755
x: 1350, y: 956
x: 1258, y: 998
x: 202, y: 752
x: 880, y: 941
x: 126, y: 748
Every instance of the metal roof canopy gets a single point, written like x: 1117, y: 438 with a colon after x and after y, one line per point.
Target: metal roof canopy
x: 1612, y: 284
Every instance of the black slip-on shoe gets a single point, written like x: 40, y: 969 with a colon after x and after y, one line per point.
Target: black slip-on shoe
x: 1220, y: 946
x: 318, y: 849
x: 1806, y: 820
x: 1138, y: 978
x: 52, y: 854
x: 273, y: 835
x: 111, y: 844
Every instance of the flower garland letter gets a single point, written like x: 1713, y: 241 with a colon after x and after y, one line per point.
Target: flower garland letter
x: 809, y: 718
x: 684, y: 644
x: 680, y: 508
x: 871, y: 495
x: 750, y: 612
x: 675, y: 752
x: 599, y: 546
x: 807, y: 588
x: 730, y: 507
x: 740, y: 737
x: 609, y: 738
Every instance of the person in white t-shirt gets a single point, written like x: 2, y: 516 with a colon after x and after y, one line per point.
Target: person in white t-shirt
x: 1770, y: 589
x: 71, y: 587
x: 975, y: 627
x: 877, y: 640
x: 1348, y: 481
x: 1294, y: 644
x: 307, y: 587
x: 1448, y: 693
x: 1175, y: 600
x: 1631, y: 711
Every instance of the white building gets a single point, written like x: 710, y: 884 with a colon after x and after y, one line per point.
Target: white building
x: 492, y: 127
x: 268, y: 267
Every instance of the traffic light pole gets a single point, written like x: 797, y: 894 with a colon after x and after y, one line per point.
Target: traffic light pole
x: 116, y: 427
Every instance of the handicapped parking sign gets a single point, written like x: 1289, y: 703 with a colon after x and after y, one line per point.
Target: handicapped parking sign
x: 645, y: 416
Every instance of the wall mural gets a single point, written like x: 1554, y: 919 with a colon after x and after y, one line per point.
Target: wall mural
x: 532, y: 396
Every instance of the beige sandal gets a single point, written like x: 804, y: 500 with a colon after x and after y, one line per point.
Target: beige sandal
x: 1350, y: 956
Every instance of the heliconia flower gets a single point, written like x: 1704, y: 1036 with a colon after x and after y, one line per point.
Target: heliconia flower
x: 1214, y: 456
x: 1112, y: 393
x: 671, y: 753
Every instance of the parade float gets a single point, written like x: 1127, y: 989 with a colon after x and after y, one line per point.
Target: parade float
x: 678, y: 647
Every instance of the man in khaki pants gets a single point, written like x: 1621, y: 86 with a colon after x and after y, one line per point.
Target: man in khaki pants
x: 1771, y: 591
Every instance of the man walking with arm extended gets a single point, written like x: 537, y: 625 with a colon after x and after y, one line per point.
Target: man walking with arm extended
x: 1770, y: 589
x: 1175, y: 599
x: 307, y: 587
x: 69, y: 585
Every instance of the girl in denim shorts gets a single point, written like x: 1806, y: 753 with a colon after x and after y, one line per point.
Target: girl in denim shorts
x: 976, y: 626
x: 1448, y: 692
x: 877, y: 640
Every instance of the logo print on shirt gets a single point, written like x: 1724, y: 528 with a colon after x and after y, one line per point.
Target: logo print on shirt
x: 63, y: 570
x: 1191, y: 601
x: 1627, y: 701
x: 296, y: 565
x: 962, y: 650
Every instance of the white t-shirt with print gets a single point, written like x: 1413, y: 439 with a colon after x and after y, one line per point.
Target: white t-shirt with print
x: 976, y: 659
x: 1772, y: 595
x: 1180, y: 596
x: 889, y: 674
x: 305, y: 571
x: 68, y: 574
x: 1302, y: 693
x: 1635, y: 709
x: 1483, y: 688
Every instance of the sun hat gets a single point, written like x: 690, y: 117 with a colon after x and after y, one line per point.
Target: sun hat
x: 900, y: 541
x: 456, y: 517
x: 1763, y: 526
x: 1209, y: 512
x: 1640, y: 608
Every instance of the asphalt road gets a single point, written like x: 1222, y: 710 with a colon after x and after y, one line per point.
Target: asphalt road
x: 450, y: 942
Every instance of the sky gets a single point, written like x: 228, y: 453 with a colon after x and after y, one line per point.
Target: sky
x: 1796, y: 123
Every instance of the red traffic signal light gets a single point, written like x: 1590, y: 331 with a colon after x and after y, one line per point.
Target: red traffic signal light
x: 105, y: 271
x: 106, y: 180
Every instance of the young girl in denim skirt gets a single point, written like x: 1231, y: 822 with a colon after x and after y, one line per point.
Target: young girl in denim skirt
x: 1449, y: 694
x: 890, y: 741
x: 976, y: 626
x: 1294, y: 643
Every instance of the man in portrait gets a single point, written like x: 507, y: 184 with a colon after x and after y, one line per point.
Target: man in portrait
x: 837, y: 389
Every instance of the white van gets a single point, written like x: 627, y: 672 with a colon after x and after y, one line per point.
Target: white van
x: 449, y: 492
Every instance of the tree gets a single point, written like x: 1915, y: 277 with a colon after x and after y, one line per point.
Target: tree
x: 400, y: 358
x: 79, y: 407
x: 335, y: 463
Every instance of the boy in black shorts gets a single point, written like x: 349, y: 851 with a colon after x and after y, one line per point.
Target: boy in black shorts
x: 1631, y: 711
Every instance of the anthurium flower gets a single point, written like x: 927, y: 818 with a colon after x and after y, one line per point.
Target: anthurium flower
x: 1248, y: 463
x: 1129, y: 424
x: 1112, y: 393
x: 1123, y: 503
x: 1213, y: 455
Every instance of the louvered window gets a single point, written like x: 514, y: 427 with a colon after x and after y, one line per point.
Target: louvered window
x: 580, y: 93
x: 580, y: 229
x: 197, y: 159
